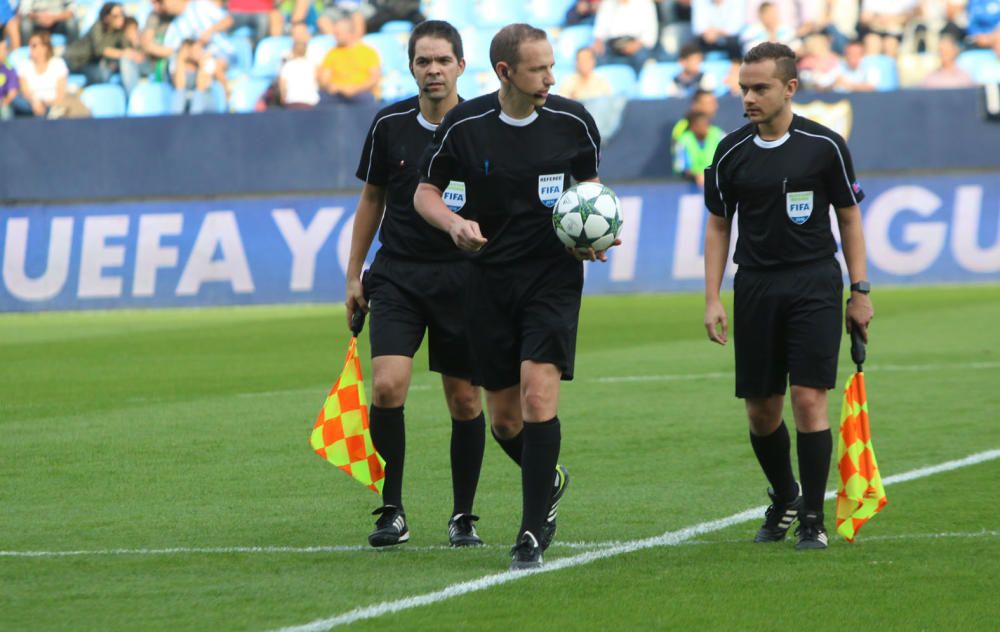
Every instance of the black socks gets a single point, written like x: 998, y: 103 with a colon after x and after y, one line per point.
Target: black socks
x: 538, y: 465
x: 468, y: 440
x: 389, y: 437
x: 774, y: 455
x: 815, y: 449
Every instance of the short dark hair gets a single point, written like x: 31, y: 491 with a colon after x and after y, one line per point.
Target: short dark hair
x: 783, y: 56
x: 506, y: 44
x: 439, y: 29
x: 694, y: 115
x: 699, y: 93
x: 691, y: 48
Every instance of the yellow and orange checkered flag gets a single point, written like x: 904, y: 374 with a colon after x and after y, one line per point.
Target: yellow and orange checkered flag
x: 341, y: 434
x: 861, y: 494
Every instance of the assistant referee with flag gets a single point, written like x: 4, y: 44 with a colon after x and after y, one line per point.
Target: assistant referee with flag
x: 779, y: 175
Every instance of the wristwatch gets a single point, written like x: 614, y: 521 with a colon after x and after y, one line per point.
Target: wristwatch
x: 864, y: 287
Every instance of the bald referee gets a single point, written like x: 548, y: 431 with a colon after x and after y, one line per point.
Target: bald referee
x: 778, y: 176
x: 516, y: 150
x: 415, y: 285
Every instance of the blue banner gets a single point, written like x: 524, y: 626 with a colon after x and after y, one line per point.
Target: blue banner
x: 283, y: 250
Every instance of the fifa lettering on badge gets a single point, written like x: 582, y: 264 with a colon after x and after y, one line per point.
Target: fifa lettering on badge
x: 799, y: 206
x: 454, y: 196
x: 550, y: 187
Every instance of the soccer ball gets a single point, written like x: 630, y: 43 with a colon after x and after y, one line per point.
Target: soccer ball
x: 587, y: 215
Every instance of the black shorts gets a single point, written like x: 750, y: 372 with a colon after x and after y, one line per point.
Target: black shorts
x: 787, y: 326
x: 409, y: 297
x: 527, y: 310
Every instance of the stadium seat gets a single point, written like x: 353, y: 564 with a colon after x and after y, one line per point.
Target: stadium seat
x: 572, y: 39
x: 242, y: 54
x: 397, y: 26
x: 972, y: 60
x: 656, y: 81
x: 474, y: 83
x: 458, y: 12
x: 76, y: 81
x: 391, y: 49
x: 493, y: 14
x: 396, y: 86
x: 319, y: 46
x: 17, y: 56
x: 269, y: 54
x: 621, y: 77
x: 544, y: 13
x: 244, y: 94
x: 58, y: 41
x: 885, y: 68
x: 104, y: 100
x: 150, y: 99
x: 476, y: 43
x: 988, y: 74
x: 717, y: 70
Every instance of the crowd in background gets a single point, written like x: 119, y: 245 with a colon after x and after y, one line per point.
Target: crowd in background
x: 70, y: 57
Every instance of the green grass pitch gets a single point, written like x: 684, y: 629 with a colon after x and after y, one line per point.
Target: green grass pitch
x: 129, y: 432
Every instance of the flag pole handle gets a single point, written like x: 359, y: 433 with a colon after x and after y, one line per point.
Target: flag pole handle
x: 357, y: 322
x: 857, y: 348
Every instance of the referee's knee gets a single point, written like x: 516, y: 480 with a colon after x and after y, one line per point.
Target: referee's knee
x: 389, y: 391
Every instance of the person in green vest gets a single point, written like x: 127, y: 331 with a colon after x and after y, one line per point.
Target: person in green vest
x: 701, y: 101
x: 695, y: 148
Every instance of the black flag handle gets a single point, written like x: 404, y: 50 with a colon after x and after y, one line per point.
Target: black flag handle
x: 857, y: 347
x: 357, y: 321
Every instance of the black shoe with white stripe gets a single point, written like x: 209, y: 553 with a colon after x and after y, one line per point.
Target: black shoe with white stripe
x: 390, y: 528
x: 779, y: 517
x: 462, y: 531
x: 559, y: 486
x: 811, y: 534
x: 526, y: 554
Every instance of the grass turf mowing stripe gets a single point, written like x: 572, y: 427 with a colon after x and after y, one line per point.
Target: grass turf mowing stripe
x: 670, y: 538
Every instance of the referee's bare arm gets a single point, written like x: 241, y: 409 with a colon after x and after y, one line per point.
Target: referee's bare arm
x: 717, y: 234
x: 371, y: 207
x: 429, y: 203
x: 859, y: 311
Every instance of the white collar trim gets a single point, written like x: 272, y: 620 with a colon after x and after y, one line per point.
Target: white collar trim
x: 424, y: 123
x: 523, y: 122
x: 771, y: 144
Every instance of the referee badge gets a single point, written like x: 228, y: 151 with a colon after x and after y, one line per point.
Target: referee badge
x: 454, y: 196
x: 550, y: 187
x: 799, y: 206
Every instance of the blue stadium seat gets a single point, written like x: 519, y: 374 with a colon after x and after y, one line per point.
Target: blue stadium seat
x: 319, y: 46
x: 17, y: 56
x: 476, y: 43
x: 717, y: 70
x: 885, y: 68
x: 150, y: 99
x: 988, y: 74
x: 391, y: 49
x: 657, y: 80
x: 396, y: 86
x: 242, y: 54
x: 621, y: 77
x: 972, y: 60
x: 572, y: 39
x: 77, y: 81
x: 245, y: 94
x: 269, y: 54
x: 497, y: 13
x: 544, y: 13
x: 104, y: 100
x: 457, y: 12
x: 397, y: 26
x: 474, y: 83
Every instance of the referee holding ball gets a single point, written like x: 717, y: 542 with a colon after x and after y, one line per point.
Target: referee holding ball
x: 515, y: 150
x: 778, y: 176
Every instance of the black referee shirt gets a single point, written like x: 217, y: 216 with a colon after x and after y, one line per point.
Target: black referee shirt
x: 514, y: 170
x: 391, y: 159
x: 781, y: 192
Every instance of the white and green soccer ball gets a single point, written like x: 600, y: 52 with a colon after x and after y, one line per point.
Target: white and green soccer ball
x: 587, y: 215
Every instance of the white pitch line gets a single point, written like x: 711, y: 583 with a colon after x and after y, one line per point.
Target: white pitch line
x: 948, y: 535
x: 670, y: 538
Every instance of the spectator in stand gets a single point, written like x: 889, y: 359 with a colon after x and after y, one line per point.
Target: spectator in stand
x: 42, y: 79
x: 192, y: 74
x: 260, y: 16
x: 820, y: 67
x: 702, y: 101
x: 691, y: 78
x: 984, y: 22
x: 768, y: 28
x: 52, y: 16
x: 298, y: 82
x: 839, y: 20
x: 695, y: 149
x: 717, y: 25
x: 103, y: 51
x: 949, y: 74
x: 9, y: 85
x: 585, y: 83
x: 390, y: 10
x: 152, y: 40
x: 10, y: 24
x: 886, y: 19
x: 205, y: 22
x: 350, y: 72
x: 853, y: 76
x: 358, y: 11
x: 581, y: 12
x: 949, y: 15
x: 625, y: 32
